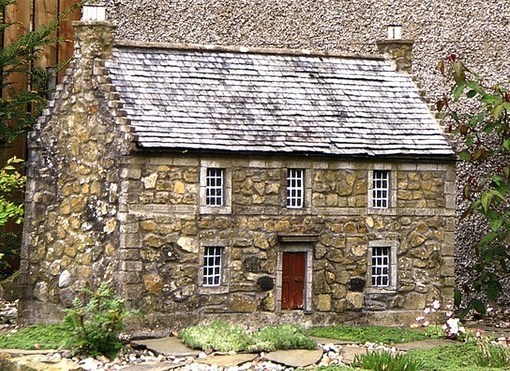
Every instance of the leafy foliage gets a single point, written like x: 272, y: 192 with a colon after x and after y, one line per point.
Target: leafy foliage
x: 491, y: 355
x: 96, y: 320
x: 11, y: 204
x: 11, y: 182
x: 20, y: 106
x: 223, y: 337
x: 482, y: 122
x: 40, y: 336
x: 386, y: 361
x: 374, y: 334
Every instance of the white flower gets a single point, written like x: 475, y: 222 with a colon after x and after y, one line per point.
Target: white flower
x: 436, y: 305
x: 445, y: 327
x: 449, y: 314
x: 420, y: 318
x: 462, y: 329
x: 453, y: 323
x: 426, y: 310
x: 426, y: 323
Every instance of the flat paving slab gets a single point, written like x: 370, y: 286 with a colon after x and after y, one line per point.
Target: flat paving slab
x: 169, y: 346
x: 425, y: 344
x: 295, y: 357
x: 227, y: 360
x: 348, y: 353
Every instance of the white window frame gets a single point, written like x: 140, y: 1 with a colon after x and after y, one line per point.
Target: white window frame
x: 381, y: 188
x: 205, y: 287
x: 295, y: 188
x: 380, y: 266
x: 392, y: 266
x: 226, y: 187
x: 212, y: 266
x: 391, y: 193
x: 214, y: 187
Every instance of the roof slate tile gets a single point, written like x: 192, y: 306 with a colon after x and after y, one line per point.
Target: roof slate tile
x: 223, y: 100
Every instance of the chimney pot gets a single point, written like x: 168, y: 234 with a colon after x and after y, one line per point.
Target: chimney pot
x: 94, y: 11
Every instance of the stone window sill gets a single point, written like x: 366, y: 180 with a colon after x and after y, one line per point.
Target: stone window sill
x: 211, y: 290
x: 381, y: 290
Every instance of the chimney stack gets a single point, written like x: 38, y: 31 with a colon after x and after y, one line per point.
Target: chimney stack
x: 93, y: 34
x: 398, y: 49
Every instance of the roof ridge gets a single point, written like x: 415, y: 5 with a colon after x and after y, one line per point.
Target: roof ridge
x: 246, y: 50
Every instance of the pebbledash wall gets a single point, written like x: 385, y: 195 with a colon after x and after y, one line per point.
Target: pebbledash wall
x: 475, y: 30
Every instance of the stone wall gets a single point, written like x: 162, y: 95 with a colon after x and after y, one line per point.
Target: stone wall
x: 167, y: 232
x: 475, y: 30
x: 71, y: 224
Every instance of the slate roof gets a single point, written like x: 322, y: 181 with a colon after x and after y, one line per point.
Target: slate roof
x: 200, y: 99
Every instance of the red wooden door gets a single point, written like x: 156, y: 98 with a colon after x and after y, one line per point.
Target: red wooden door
x: 293, y: 280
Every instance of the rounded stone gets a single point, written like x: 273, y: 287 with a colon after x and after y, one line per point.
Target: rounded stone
x: 64, y: 279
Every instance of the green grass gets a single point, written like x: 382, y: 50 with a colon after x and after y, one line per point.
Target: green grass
x: 386, y: 361
x: 47, y: 336
x: 461, y: 357
x: 372, y: 334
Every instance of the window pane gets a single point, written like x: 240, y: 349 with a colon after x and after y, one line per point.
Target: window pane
x: 380, y: 189
x: 214, y: 187
x: 380, y: 266
x: 213, y: 256
x: 295, y: 188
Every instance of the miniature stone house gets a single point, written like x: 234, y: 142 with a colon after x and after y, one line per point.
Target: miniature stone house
x: 268, y: 185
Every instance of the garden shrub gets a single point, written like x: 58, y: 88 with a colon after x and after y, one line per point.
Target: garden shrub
x: 96, y: 320
x: 281, y: 337
x: 218, y: 335
x: 223, y: 337
x: 386, y: 361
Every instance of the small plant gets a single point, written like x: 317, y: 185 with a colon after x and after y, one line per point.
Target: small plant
x: 96, y: 320
x: 53, y: 336
x: 221, y: 336
x: 491, y: 355
x: 373, y: 334
x: 386, y: 361
x: 281, y: 337
x: 218, y: 335
x: 452, y: 329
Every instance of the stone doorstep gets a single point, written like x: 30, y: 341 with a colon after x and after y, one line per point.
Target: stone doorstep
x: 227, y: 360
x: 295, y: 357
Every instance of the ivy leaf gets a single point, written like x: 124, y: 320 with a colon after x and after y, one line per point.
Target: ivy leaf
x: 496, y: 112
x: 487, y: 239
x: 465, y: 155
x: 471, y: 93
x: 493, y: 290
x: 477, y: 305
x: 495, y: 224
x: 457, y: 298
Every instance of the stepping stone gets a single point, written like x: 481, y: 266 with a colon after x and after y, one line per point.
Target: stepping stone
x: 229, y: 360
x: 153, y: 366
x: 295, y: 357
x: 425, y: 344
x: 348, y: 353
x: 170, y: 346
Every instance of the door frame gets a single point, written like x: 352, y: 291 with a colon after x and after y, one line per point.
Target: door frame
x: 306, y: 248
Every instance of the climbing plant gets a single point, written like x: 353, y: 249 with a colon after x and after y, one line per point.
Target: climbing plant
x: 479, y: 115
